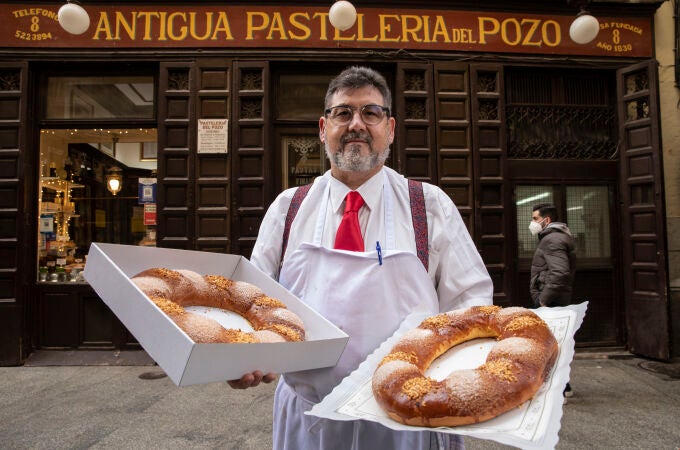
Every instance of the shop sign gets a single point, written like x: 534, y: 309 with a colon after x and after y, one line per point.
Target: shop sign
x: 146, y: 191
x: 149, y: 214
x: 253, y: 26
x: 212, y: 136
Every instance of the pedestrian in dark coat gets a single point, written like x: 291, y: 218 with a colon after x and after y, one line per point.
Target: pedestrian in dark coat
x: 553, y: 265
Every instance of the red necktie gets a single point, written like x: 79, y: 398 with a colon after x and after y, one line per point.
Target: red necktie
x: 348, y: 236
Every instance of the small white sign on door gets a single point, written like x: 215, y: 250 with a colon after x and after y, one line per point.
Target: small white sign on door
x: 212, y: 135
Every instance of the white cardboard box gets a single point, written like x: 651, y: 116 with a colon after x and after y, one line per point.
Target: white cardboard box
x: 109, y: 268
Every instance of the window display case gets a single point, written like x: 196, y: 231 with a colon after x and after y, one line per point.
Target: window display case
x: 59, y: 261
x: 78, y: 203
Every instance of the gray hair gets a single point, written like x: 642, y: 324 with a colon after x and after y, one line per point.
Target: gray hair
x: 356, y: 77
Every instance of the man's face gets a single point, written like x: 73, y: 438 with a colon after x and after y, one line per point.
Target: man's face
x: 357, y: 146
x: 536, y: 217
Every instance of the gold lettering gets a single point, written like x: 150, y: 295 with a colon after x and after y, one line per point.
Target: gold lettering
x: 307, y: 32
x: 360, y: 30
x: 129, y: 27
x: 103, y: 26
x: 182, y: 29
x: 557, y: 33
x: 222, y: 25
x: 251, y: 27
x: 483, y: 31
x: 147, y: 16
x: 411, y: 31
x: 163, y: 29
x: 323, y: 25
x: 440, y: 30
x: 426, y: 29
x: 386, y: 28
x: 208, y: 26
x: 529, y: 34
x: 277, y: 25
x: 504, y: 31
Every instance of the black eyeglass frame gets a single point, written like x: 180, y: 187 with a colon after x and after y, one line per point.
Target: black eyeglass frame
x: 384, y: 109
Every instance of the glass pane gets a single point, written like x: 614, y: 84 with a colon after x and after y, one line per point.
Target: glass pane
x: 301, y: 96
x: 526, y: 197
x: 82, y: 97
x: 95, y: 186
x: 588, y: 220
x: 304, y: 159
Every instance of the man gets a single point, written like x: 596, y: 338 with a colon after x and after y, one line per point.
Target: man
x: 356, y: 264
x: 554, y: 262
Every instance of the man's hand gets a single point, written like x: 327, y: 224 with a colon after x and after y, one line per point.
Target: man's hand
x: 251, y: 380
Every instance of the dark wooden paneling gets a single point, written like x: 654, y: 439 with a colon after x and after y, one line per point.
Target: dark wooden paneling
x: 490, y: 155
x: 13, y: 219
x: 415, y: 137
x: 252, y: 152
x: 176, y: 150
x: 644, y: 250
x: 60, y: 319
x: 212, y: 187
x: 454, y: 147
x: 74, y: 317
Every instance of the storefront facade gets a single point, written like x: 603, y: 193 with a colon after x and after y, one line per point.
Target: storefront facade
x: 207, y: 112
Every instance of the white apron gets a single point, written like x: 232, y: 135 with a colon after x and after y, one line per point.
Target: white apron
x: 367, y: 301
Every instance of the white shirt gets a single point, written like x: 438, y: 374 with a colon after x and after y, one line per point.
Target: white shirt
x: 455, y: 267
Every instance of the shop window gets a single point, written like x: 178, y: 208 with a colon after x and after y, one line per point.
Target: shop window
x: 585, y: 209
x: 588, y: 219
x: 100, y: 97
x: 96, y: 185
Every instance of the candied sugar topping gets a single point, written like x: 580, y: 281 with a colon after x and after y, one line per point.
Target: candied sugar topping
x: 239, y: 336
x: 169, y: 274
x: 409, y: 357
x: 167, y: 306
x: 489, y: 309
x: 416, y: 387
x: 219, y: 281
x: 520, y: 323
x: 434, y: 322
x: 269, y: 302
x: 500, y: 368
x: 287, y: 332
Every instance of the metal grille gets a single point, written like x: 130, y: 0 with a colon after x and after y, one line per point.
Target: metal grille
x: 560, y: 114
x: 561, y: 132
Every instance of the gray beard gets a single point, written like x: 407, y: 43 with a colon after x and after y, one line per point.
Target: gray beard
x: 350, y: 159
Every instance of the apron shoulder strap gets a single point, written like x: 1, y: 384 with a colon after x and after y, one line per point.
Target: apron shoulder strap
x: 295, y: 203
x: 419, y: 216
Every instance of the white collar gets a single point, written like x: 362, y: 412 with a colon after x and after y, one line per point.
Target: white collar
x: 370, y: 191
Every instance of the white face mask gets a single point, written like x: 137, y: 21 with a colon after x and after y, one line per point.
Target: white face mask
x: 535, y: 227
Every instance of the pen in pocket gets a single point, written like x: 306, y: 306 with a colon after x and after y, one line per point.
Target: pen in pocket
x: 379, y: 250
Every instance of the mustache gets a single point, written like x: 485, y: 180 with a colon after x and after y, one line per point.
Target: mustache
x: 352, y: 136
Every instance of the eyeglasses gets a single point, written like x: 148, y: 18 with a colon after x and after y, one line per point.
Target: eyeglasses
x: 370, y: 114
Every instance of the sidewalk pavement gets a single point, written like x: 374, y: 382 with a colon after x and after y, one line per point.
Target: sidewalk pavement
x: 619, y: 402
